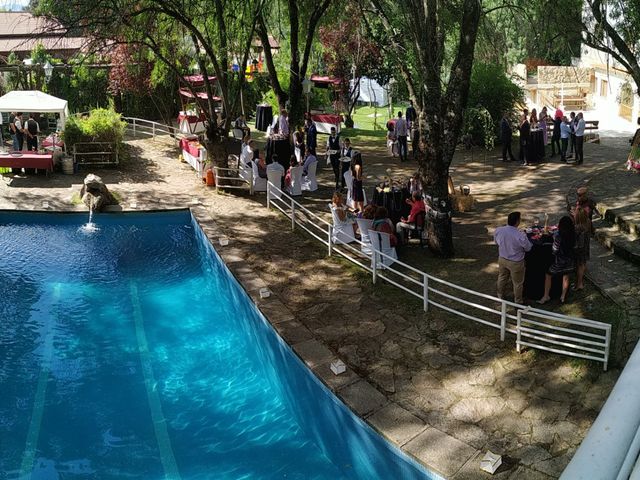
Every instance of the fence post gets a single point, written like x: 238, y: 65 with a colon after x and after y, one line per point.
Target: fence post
x: 293, y: 215
x: 518, y: 331
x: 217, y: 173
x: 134, y: 127
x: 374, y: 265
x: 153, y: 124
x: 330, y: 239
x: 425, y: 292
x: 268, y: 195
x: 607, y: 348
x: 251, y: 182
x: 503, y: 319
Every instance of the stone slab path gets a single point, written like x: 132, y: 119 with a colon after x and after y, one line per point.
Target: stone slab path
x: 442, y: 392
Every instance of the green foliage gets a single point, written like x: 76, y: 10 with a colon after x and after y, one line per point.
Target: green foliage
x: 491, y: 89
x: 480, y: 126
x: 102, y: 125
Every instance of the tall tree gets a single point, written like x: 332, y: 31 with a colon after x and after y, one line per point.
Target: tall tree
x: 304, y: 17
x: 162, y: 26
x: 613, y: 27
x: 420, y: 37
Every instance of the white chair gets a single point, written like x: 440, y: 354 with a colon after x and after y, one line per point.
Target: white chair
x: 295, y: 188
x: 364, y: 225
x: 275, y: 177
x: 238, y: 133
x: 309, y: 182
x: 348, y: 180
x: 259, y: 183
x: 298, y: 154
x: 342, y: 229
x: 381, y: 242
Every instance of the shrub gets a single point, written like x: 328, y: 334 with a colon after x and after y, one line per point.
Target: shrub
x: 102, y: 125
x: 479, y: 127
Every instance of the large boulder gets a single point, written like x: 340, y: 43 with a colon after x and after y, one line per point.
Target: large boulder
x: 94, y: 193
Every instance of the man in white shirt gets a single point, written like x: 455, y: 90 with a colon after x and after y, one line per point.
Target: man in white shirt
x: 512, y: 245
x: 283, y: 123
x: 241, y: 123
x: 275, y: 166
x: 400, y: 132
x: 580, y: 126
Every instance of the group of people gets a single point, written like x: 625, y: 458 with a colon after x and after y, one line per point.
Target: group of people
x: 398, y: 132
x: 571, y: 246
x: 20, y: 130
x: 567, y: 133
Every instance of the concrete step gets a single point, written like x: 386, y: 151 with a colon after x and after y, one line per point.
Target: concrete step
x: 623, y: 222
x: 625, y: 245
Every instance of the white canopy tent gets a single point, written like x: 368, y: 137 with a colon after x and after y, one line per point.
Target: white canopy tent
x: 34, y: 101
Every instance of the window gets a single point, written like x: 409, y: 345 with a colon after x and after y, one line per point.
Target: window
x: 604, y: 88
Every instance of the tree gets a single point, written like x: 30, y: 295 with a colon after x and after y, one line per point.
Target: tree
x: 439, y: 93
x: 349, y: 54
x: 304, y: 18
x: 219, y: 30
x: 613, y: 27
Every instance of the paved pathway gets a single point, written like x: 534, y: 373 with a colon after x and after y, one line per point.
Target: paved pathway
x: 441, y: 391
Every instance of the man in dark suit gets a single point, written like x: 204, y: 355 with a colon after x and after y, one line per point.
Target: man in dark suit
x: 410, y: 115
x: 525, y: 132
x: 312, y: 136
x: 505, y: 136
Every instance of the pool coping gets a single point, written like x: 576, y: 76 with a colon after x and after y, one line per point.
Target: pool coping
x: 427, y: 445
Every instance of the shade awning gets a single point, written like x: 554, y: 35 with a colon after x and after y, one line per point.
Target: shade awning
x: 197, y: 80
x: 325, y: 80
x: 34, y: 101
x: 201, y: 95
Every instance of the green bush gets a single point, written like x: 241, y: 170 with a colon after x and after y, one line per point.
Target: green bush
x: 491, y: 88
x: 102, y: 125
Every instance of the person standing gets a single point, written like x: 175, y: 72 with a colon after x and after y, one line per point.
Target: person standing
x: 525, y: 132
x: 345, y: 152
x: 506, y: 134
x: 583, y: 245
x: 312, y: 136
x: 283, y: 123
x: 12, y: 131
x: 410, y: 115
x: 564, y: 243
x: 357, y: 188
x: 19, y: 129
x: 555, y: 136
x: 333, y: 150
x: 572, y: 124
x: 579, y: 134
x: 401, y: 131
x: 565, y: 134
x: 512, y: 245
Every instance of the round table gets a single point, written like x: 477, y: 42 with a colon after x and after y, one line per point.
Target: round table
x: 535, y: 147
x: 537, y: 262
x: 282, y: 148
x: 394, y: 201
x: 264, y: 116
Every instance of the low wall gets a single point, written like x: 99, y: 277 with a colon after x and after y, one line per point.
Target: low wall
x: 560, y: 75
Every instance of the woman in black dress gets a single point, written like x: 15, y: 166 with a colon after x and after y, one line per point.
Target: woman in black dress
x: 564, y: 242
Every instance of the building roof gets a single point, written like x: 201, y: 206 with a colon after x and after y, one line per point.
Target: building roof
x: 23, y: 24
x: 273, y: 43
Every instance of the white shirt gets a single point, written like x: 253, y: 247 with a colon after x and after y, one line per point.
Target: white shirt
x: 245, y: 155
x: 401, y: 127
x: 580, y: 128
x: 275, y: 166
x: 512, y: 243
x: 307, y: 162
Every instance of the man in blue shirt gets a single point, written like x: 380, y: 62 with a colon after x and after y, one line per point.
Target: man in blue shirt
x: 565, y: 134
x: 579, y: 133
x: 512, y: 245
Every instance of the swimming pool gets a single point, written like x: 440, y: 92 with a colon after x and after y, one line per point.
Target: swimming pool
x: 133, y: 353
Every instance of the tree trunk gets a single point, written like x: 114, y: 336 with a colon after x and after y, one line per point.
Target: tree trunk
x: 216, y: 145
x: 296, y: 103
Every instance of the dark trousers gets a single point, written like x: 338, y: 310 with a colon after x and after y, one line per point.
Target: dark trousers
x: 579, y: 149
x: 523, y: 149
x: 335, y: 164
x: 563, y: 151
x: 573, y: 144
x: 402, y: 147
x: 506, y: 148
x: 344, y: 167
x: 555, y: 142
x: 32, y: 143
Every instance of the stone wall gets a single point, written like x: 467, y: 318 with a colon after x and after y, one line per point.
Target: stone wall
x: 558, y: 75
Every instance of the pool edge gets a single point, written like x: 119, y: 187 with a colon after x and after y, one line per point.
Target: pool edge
x: 276, y: 312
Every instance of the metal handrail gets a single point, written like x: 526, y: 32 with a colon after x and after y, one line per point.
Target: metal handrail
x: 546, y: 339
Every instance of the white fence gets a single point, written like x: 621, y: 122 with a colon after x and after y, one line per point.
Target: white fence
x: 533, y: 327
x: 139, y: 126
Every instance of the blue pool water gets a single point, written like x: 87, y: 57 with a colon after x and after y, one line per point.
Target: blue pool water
x: 131, y: 353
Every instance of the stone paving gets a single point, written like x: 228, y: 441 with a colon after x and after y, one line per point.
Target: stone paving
x: 443, y: 393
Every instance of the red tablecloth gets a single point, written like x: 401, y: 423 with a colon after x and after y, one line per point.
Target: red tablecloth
x: 192, y: 148
x: 48, y: 142
x: 191, y: 118
x: 28, y: 160
x: 326, y: 118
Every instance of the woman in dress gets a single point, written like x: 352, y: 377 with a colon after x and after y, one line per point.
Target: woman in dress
x: 358, y: 191
x: 542, y: 124
x: 583, y: 245
x: 564, y: 242
x: 533, y: 119
x: 382, y: 223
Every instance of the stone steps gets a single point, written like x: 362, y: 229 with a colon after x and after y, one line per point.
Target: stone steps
x: 619, y: 235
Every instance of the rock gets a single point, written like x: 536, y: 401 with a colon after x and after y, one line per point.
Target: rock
x: 94, y: 193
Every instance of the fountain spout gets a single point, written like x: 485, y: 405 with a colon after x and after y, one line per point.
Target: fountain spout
x: 95, y: 194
